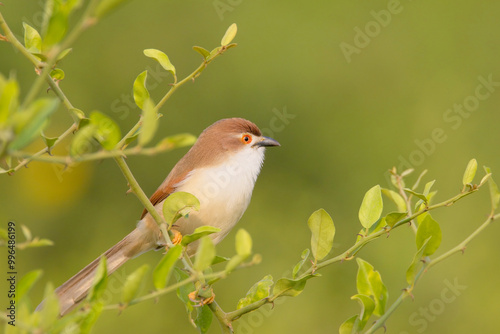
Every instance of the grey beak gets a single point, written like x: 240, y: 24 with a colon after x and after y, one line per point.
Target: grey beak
x: 267, y: 141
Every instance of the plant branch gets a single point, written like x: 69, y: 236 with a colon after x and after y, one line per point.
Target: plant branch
x: 222, y: 317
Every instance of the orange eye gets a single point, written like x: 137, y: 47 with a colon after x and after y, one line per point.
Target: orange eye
x: 246, y: 139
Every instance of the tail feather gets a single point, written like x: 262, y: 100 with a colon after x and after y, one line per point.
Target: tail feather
x: 74, y: 290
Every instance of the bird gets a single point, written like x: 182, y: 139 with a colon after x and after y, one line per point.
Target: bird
x: 220, y: 170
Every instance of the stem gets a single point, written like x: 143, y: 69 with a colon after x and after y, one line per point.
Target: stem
x: 221, y: 316
x: 136, y: 188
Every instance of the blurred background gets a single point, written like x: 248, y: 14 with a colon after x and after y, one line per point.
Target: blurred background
x: 349, y: 89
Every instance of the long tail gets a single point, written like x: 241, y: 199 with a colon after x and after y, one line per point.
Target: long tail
x: 74, y: 290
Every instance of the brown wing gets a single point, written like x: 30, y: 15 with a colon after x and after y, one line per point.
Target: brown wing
x: 166, y: 188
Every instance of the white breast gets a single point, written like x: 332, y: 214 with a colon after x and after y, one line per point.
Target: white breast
x: 224, y: 192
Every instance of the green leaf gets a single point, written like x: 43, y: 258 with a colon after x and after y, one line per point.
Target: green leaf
x: 57, y: 27
x: 258, y: 291
x: 371, y: 207
x: 289, y: 287
x: 63, y: 54
x: 427, y: 189
x: 494, y: 192
x: 9, y: 95
x: 203, y: 319
x: 415, y: 185
x: 32, y: 39
x: 26, y: 232
x: 428, y: 228
x: 107, y: 132
x: 416, y: 194
x: 50, y: 310
x: 91, y: 316
x: 367, y: 308
x: 26, y: 283
x: 82, y: 141
x: 411, y: 272
x: 198, y: 233
x: 219, y: 259
x: 184, y: 290
x: 105, y: 7
x: 204, y: 52
x: 149, y: 123
x: 38, y: 243
x: 369, y: 282
x: 162, y: 272
x: 179, y: 204
x: 176, y: 141
x: 348, y: 325
x: 205, y: 254
x: 393, y: 217
x: 470, y: 172
x: 57, y: 74
x: 100, y: 281
x: 133, y: 284
x: 162, y: 58
x: 49, y: 141
x: 214, y: 53
x: 229, y: 35
x: 39, y: 113
x: 304, y: 256
x: 141, y: 93
x: 323, y: 230
x: 243, y: 243
x: 396, y: 198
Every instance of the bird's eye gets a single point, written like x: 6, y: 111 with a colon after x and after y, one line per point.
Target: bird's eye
x: 246, y: 139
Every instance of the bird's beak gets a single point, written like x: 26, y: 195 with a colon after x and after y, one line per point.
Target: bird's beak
x: 266, y: 141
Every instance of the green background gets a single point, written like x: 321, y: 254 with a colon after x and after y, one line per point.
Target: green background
x: 352, y: 121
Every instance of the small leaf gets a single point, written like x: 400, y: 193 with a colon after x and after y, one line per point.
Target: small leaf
x: 50, y: 310
x: 141, y: 93
x: 428, y: 228
x: 229, y: 35
x: 494, y: 192
x: 203, y: 319
x: 371, y: 207
x: 39, y: 243
x: 393, y: 217
x: 105, y: 7
x: 133, y: 283
x: 416, y: 194
x: 82, y: 141
x: 204, y: 52
x: 149, y: 123
x: 39, y: 113
x: 205, y: 254
x: 57, y: 74
x: 184, y: 290
x: 179, y: 204
x: 176, y: 141
x: 219, y: 259
x: 198, y: 233
x: 161, y: 273
x: 9, y: 95
x: 214, y: 53
x: 485, y: 179
x: 162, y: 58
x: 258, y: 291
x: 427, y: 189
x: 348, y: 325
x: 289, y: 287
x: 26, y: 283
x: 107, y: 132
x: 470, y: 172
x: 243, y: 243
x: 369, y: 282
x: 304, y: 256
x: 411, y: 272
x: 26, y: 232
x: 32, y: 39
x: 63, y: 54
x: 49, y: 141
x: 415, y: 185
x: 396, y: 198
x: 100, y: 281
x: 323, y: 231
x: 367, y: 308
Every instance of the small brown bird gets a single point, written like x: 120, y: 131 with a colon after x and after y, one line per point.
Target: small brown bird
x: 220, y: 170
